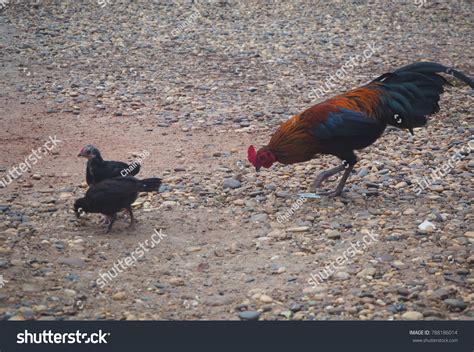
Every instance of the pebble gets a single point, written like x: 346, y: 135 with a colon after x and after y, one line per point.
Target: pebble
x: 295, y: 307
x: 333, y: 235
x: 426, y: 227
x: 455, y: 304
x: 119, y: 296
x: 193, y: 249
x: 217, y: 300
x: 469, y: 234
x: 72, y: 261
x: 265, y: 299
x: 176, y: 281
x: 367, y: 272
x: 298, y: 229
x: 412, y: 315
x: 342, y: 275
x: 231, y: 183
x: 249, y: 315
x: 440, y: 293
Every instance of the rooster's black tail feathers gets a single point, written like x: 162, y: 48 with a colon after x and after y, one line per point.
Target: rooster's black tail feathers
x: 411, y: 93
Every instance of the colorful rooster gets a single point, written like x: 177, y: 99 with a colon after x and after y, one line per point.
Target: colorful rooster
x: 356, y: 119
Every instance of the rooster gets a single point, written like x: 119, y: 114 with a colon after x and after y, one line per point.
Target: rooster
x: 98, y: 169
x: 354, y: 120
x: 113, y: 195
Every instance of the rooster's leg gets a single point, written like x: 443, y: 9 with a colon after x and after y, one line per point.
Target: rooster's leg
x: 341, y: 183
x: 325, y: 175
x: 112, y: 220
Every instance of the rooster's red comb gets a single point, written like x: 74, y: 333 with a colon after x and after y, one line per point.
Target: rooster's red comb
x: 252, y: 155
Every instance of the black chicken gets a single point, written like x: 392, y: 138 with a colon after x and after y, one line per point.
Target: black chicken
x: 113, y: 195
x: 99, y: 169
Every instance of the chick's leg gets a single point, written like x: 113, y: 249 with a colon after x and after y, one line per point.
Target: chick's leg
x: 130, y: 212
x: 105, y: 221
x: 112, y: 220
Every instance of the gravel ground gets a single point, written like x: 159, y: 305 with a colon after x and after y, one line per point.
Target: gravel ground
x: 194, y: 85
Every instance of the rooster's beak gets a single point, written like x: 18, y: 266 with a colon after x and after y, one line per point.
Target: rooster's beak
x: 257, y: 168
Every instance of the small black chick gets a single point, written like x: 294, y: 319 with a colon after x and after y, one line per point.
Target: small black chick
x: 113, y: 195
x: 99, y: 169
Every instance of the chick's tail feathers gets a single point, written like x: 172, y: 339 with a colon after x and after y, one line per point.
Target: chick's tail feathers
x: 150, y: 184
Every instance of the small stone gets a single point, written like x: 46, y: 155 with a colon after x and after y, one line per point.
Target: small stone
x: 298, y: 229
x: 280, y: 270
x: 334, y: 235
x: 215, y: 301
x: 119, y: 296
x: 426, y: 227
x: 36, y: 177
x: 286, y: 313
x: 440, y: 293
x: 259, y: 218
x: 266, y: 299
x: 412, y: 315
x: 249, y: 315
x: 469, y: 234
x: 282, y: 194
x: 369, y: 271
x: 295, y: 307
x: 193, y: 249
x: 342, y: 275
x: 363, y: 172
x: 70, y: 292
x: 299, y: 316
x: 72, y: 261
x: 401, y: 185
x: 403, y: 291
x: 437, y: 188
x: 168, y: 204
x: 176, y: 281
x: 455, y: 304
x: 397, y: 307
x: 231, y: 183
